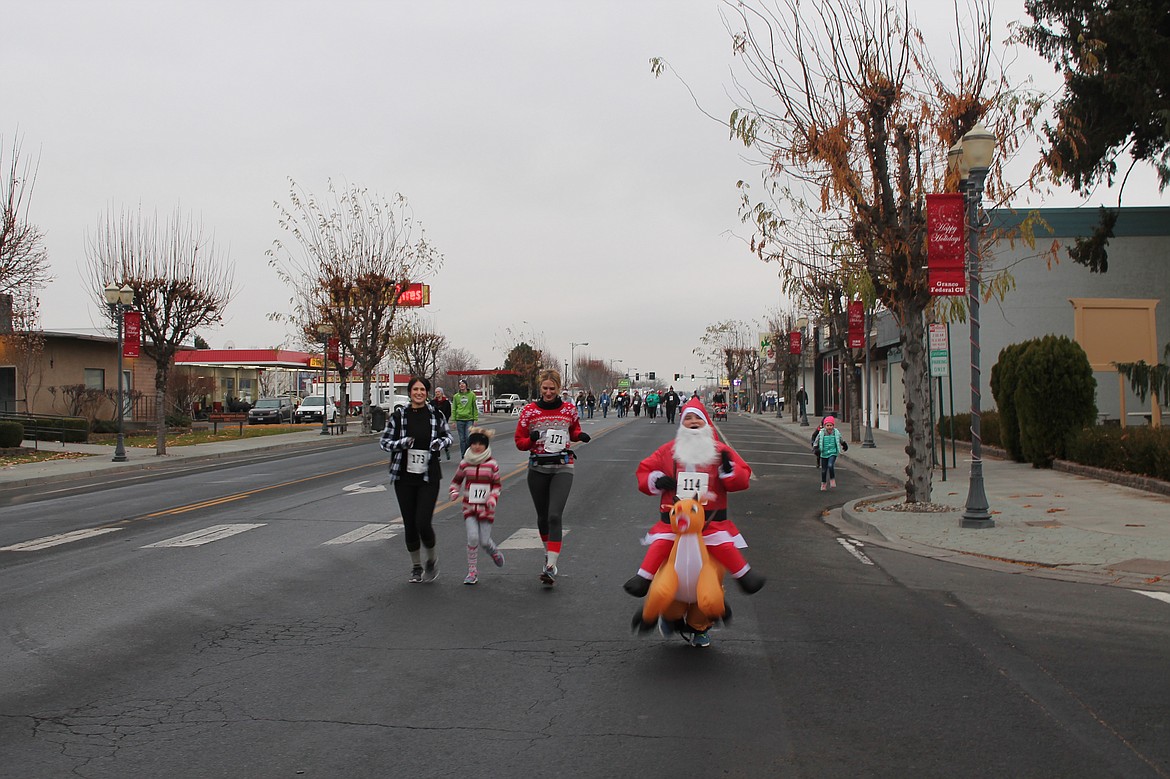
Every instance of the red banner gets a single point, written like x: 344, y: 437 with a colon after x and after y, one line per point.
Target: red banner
x: 946, y: 244
x: 131, y: 333
x: 794, y: 342
x: 856, y: 325
x: 332, y: 351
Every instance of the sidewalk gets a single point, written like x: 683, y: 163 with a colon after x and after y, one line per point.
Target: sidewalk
x: 1047, y: 523
x: 100, y: 459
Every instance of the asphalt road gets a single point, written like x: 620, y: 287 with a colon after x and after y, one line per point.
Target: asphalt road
x: 254, y: 620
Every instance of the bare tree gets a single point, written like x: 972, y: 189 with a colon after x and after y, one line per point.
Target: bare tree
x: 594, y: 375
x: 181, y: 282
x: 349, y: 259
x: 24, y: 262
x: 418, y: 349
x: 857, y: 121
x: 455, y: 359
x: 24, y: 348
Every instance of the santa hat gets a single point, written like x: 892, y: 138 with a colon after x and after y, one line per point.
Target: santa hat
x: 696, y: 407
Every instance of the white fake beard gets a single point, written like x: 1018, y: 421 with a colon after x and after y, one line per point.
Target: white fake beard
x: 694, y: 446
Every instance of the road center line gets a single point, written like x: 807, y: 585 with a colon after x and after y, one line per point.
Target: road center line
x: 854, y: 548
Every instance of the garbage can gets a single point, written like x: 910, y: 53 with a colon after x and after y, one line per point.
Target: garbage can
x: 377, y: 418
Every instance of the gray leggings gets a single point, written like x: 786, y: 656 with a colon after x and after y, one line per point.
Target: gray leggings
x: 550, y: 493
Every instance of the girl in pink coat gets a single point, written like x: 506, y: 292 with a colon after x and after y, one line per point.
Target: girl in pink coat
x: 478, y: 479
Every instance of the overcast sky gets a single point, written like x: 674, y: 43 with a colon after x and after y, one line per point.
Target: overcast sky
x: 575, y: 197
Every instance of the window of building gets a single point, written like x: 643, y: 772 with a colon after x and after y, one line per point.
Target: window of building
x: 95, y: 378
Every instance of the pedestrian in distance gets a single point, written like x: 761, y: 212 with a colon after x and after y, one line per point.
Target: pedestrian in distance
x: 477, y: 479
x: 590, y: 404
x: 443, y: 404
x: 581, y: 405
x: 603, y: 401
x: 652, y: 400
x: 636, y: 402
x: 694, y: 465
x: 545, y: 430
x: 671, y: 401
x: 414, y: 436
x: 465, y: 412
x: 827, y: 445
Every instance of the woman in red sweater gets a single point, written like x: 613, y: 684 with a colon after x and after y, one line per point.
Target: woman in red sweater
x: 545, y: 429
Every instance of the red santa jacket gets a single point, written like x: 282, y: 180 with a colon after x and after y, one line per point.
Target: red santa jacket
x: 662, y: 463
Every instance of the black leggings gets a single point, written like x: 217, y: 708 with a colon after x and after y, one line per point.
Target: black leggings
x: 550, y: 493
x: 416, y: 501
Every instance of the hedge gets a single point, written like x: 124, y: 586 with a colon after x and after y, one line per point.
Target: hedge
x: 11, y: 435
x: 988, y: 428
x: 1141, y: 450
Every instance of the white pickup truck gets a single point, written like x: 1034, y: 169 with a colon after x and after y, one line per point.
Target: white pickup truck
x: 508, y: 404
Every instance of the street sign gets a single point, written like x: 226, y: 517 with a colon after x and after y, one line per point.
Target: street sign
x: 623, y: 383
x: 939, y: 357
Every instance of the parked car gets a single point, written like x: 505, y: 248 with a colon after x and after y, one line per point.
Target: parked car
x: 274, y: 411
x: 395, y: 402
x: 508, y: 404
x: 313, y: 408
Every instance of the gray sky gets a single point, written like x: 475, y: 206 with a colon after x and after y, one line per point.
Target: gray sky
x: 574, y: 196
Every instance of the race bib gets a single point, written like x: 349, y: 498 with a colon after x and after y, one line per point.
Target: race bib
x: 691, y: 484
x: 555, y: 440
x: 416, y: 460
x: 477, y: 492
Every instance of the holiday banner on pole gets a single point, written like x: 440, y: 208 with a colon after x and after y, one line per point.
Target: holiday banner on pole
x: 131, y: 333
x: 946, y: 245
x: 794, y: 342
x: 856, y: 325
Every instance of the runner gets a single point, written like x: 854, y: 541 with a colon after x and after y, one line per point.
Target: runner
x: 413, y: 437
x: 545, y: 429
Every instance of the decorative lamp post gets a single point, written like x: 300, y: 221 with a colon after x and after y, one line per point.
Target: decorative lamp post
x: 801, y: 324
x: 119, y: 300
x: 573, y: 356
x: 867, y: 442
x: 325, y: 330
x: 973, y: 160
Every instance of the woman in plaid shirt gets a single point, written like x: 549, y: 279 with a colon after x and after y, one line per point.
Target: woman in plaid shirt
x: 414, y: 436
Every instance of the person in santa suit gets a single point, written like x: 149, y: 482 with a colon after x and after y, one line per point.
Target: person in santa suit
x: 695, y: 464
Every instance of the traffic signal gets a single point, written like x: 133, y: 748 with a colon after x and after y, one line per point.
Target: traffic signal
x: 637, y: 377
x: 650, y: 375
x: 676, y: 377
x: 692, y: 377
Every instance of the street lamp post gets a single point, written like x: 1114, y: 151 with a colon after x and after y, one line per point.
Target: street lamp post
x: 868, y: 442
x: 573, y: 356
x: 973, y: 158
x: 325, y: 330
x: 119, y: 300
x: 801, y: 324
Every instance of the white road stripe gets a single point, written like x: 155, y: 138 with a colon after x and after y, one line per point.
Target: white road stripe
x: 854, y: 548
x: 205, y: 536
x: 61, y: 538
x: 525, y: 538
x: 1162, y: 596
x: 373, y: 532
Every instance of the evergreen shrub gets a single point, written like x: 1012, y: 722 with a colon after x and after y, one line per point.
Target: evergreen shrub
x: 1055, y: 397
x: 1004, y: 379
x: 988, y: 428
x: 11, y: 435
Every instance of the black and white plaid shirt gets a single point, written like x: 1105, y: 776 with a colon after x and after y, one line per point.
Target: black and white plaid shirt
x: 395, y: 441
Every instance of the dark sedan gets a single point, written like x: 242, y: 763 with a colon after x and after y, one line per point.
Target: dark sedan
x: 271, y: 411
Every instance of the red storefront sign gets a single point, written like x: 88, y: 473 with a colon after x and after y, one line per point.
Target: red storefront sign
x: 946, y: 244
x: 415, y: 295
x: 856, y: 325
x: 131, y: 333
x: 794, y: 342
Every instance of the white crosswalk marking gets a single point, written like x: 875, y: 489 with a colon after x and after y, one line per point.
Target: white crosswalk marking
x: 525, y: 538
x: 374, y: 532
x: 60, y: 538
x: 1162, y: 596
x: 205, y: 536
